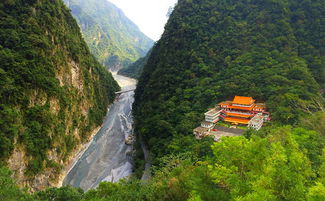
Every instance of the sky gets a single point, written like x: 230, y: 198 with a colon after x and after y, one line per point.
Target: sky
x: 149, y: 15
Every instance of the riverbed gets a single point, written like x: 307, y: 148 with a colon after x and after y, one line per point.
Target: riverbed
x: 108, y: 157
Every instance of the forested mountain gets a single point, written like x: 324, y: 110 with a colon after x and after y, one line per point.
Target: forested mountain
x: 53, y: 92
x: 135, y: 69
x: 210, y: 51
x: 213, y: 50
x: 114, y: 39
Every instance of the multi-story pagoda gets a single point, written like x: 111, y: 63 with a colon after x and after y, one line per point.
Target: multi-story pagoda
x: 244, y: 110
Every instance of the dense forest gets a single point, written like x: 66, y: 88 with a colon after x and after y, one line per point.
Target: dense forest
x: 284, y: 163
x: 211, y: 50
x: 53, y: 91
x: 113, y: 38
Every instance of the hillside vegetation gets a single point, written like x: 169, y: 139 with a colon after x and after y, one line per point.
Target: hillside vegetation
x: 210, y: 51
x: 135, y: 69
x: 213, y: 50
x: 53, y: 91
x: 278, y: 164
x: 112, y: 37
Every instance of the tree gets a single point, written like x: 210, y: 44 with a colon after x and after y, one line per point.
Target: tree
x: 271, y: 168
x: 9, y: 190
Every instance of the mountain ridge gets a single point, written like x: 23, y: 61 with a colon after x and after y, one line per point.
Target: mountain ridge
x: 213, y: 50
x: 113, y: 38
x: 53, y: 91
x: 210, y: 51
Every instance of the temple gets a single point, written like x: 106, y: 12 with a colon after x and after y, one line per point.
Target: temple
x: 240, y: 111
x: 244, y: 110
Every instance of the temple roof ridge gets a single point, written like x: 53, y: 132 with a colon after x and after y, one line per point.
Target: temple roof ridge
x: 243, y: 100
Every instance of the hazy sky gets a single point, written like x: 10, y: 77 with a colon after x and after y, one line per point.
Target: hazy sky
x: 149, y: 15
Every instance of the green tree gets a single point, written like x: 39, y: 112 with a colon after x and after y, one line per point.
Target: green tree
x: 9, y: 191
x: 271, y: 168
x: 60, y: 194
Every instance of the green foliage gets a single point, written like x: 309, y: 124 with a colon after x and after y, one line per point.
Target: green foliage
x: 135, y: 69
x: 316, y: 193
x: 213, y: 50
x: 179, y: 179
x: 210, y: 51
x: 60, y: 194
x: 9, y: 129
x: 316, y: 122
x: 273, y: 164
x: 272, y: 168
x: 312, y: 143
x: 114, y: 39
x: 47, y: 75
x: 118, y: 191
x: 9, y: 190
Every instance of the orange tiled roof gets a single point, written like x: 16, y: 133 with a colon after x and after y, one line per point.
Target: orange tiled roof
x: 225, y: 103
x: 242, y: 100
x: 237, y: 120
x: 241, y: 108
x: 238, y: 115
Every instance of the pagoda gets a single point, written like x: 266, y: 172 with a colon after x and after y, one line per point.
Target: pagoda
x: 241, y: 110
x: 244, y: 110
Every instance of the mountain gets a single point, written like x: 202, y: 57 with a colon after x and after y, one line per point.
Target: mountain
x: 113, y: 38
x: 210, y: 51
x: 213, y: 50
x: 135, y: 69
x: 53, y: 92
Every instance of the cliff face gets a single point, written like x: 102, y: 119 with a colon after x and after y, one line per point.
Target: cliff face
x: 212, y: 50
x: 53, y: 92
x: 113, y: 38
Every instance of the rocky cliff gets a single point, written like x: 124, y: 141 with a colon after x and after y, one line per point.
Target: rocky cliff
x: 53, y: 92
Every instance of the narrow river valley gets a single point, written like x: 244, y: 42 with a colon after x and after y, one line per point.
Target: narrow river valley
x: 108, y: 157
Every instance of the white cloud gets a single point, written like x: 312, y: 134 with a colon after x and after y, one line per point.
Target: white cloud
x: 149, y: 15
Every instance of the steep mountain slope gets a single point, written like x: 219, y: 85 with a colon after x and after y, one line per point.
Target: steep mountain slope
x: 53, y: 92
x: 308, y: 23
x: 114, y: 39
x: 135, y: 69
x: 212, y: 50
x: 276, y: 163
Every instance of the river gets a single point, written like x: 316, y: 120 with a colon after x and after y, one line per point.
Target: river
x: 107, y: 158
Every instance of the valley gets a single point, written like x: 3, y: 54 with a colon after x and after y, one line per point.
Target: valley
x: 112, y: 37
x: 73, y: 127
x: 107, y: 157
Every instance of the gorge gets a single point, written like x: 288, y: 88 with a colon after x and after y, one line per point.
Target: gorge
x: 108, y: 157
x: 54, y: 94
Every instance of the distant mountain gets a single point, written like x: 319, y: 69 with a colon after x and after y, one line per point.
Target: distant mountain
x: 135, y: 69
x: 113, y: 38
x: 53, y: 92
